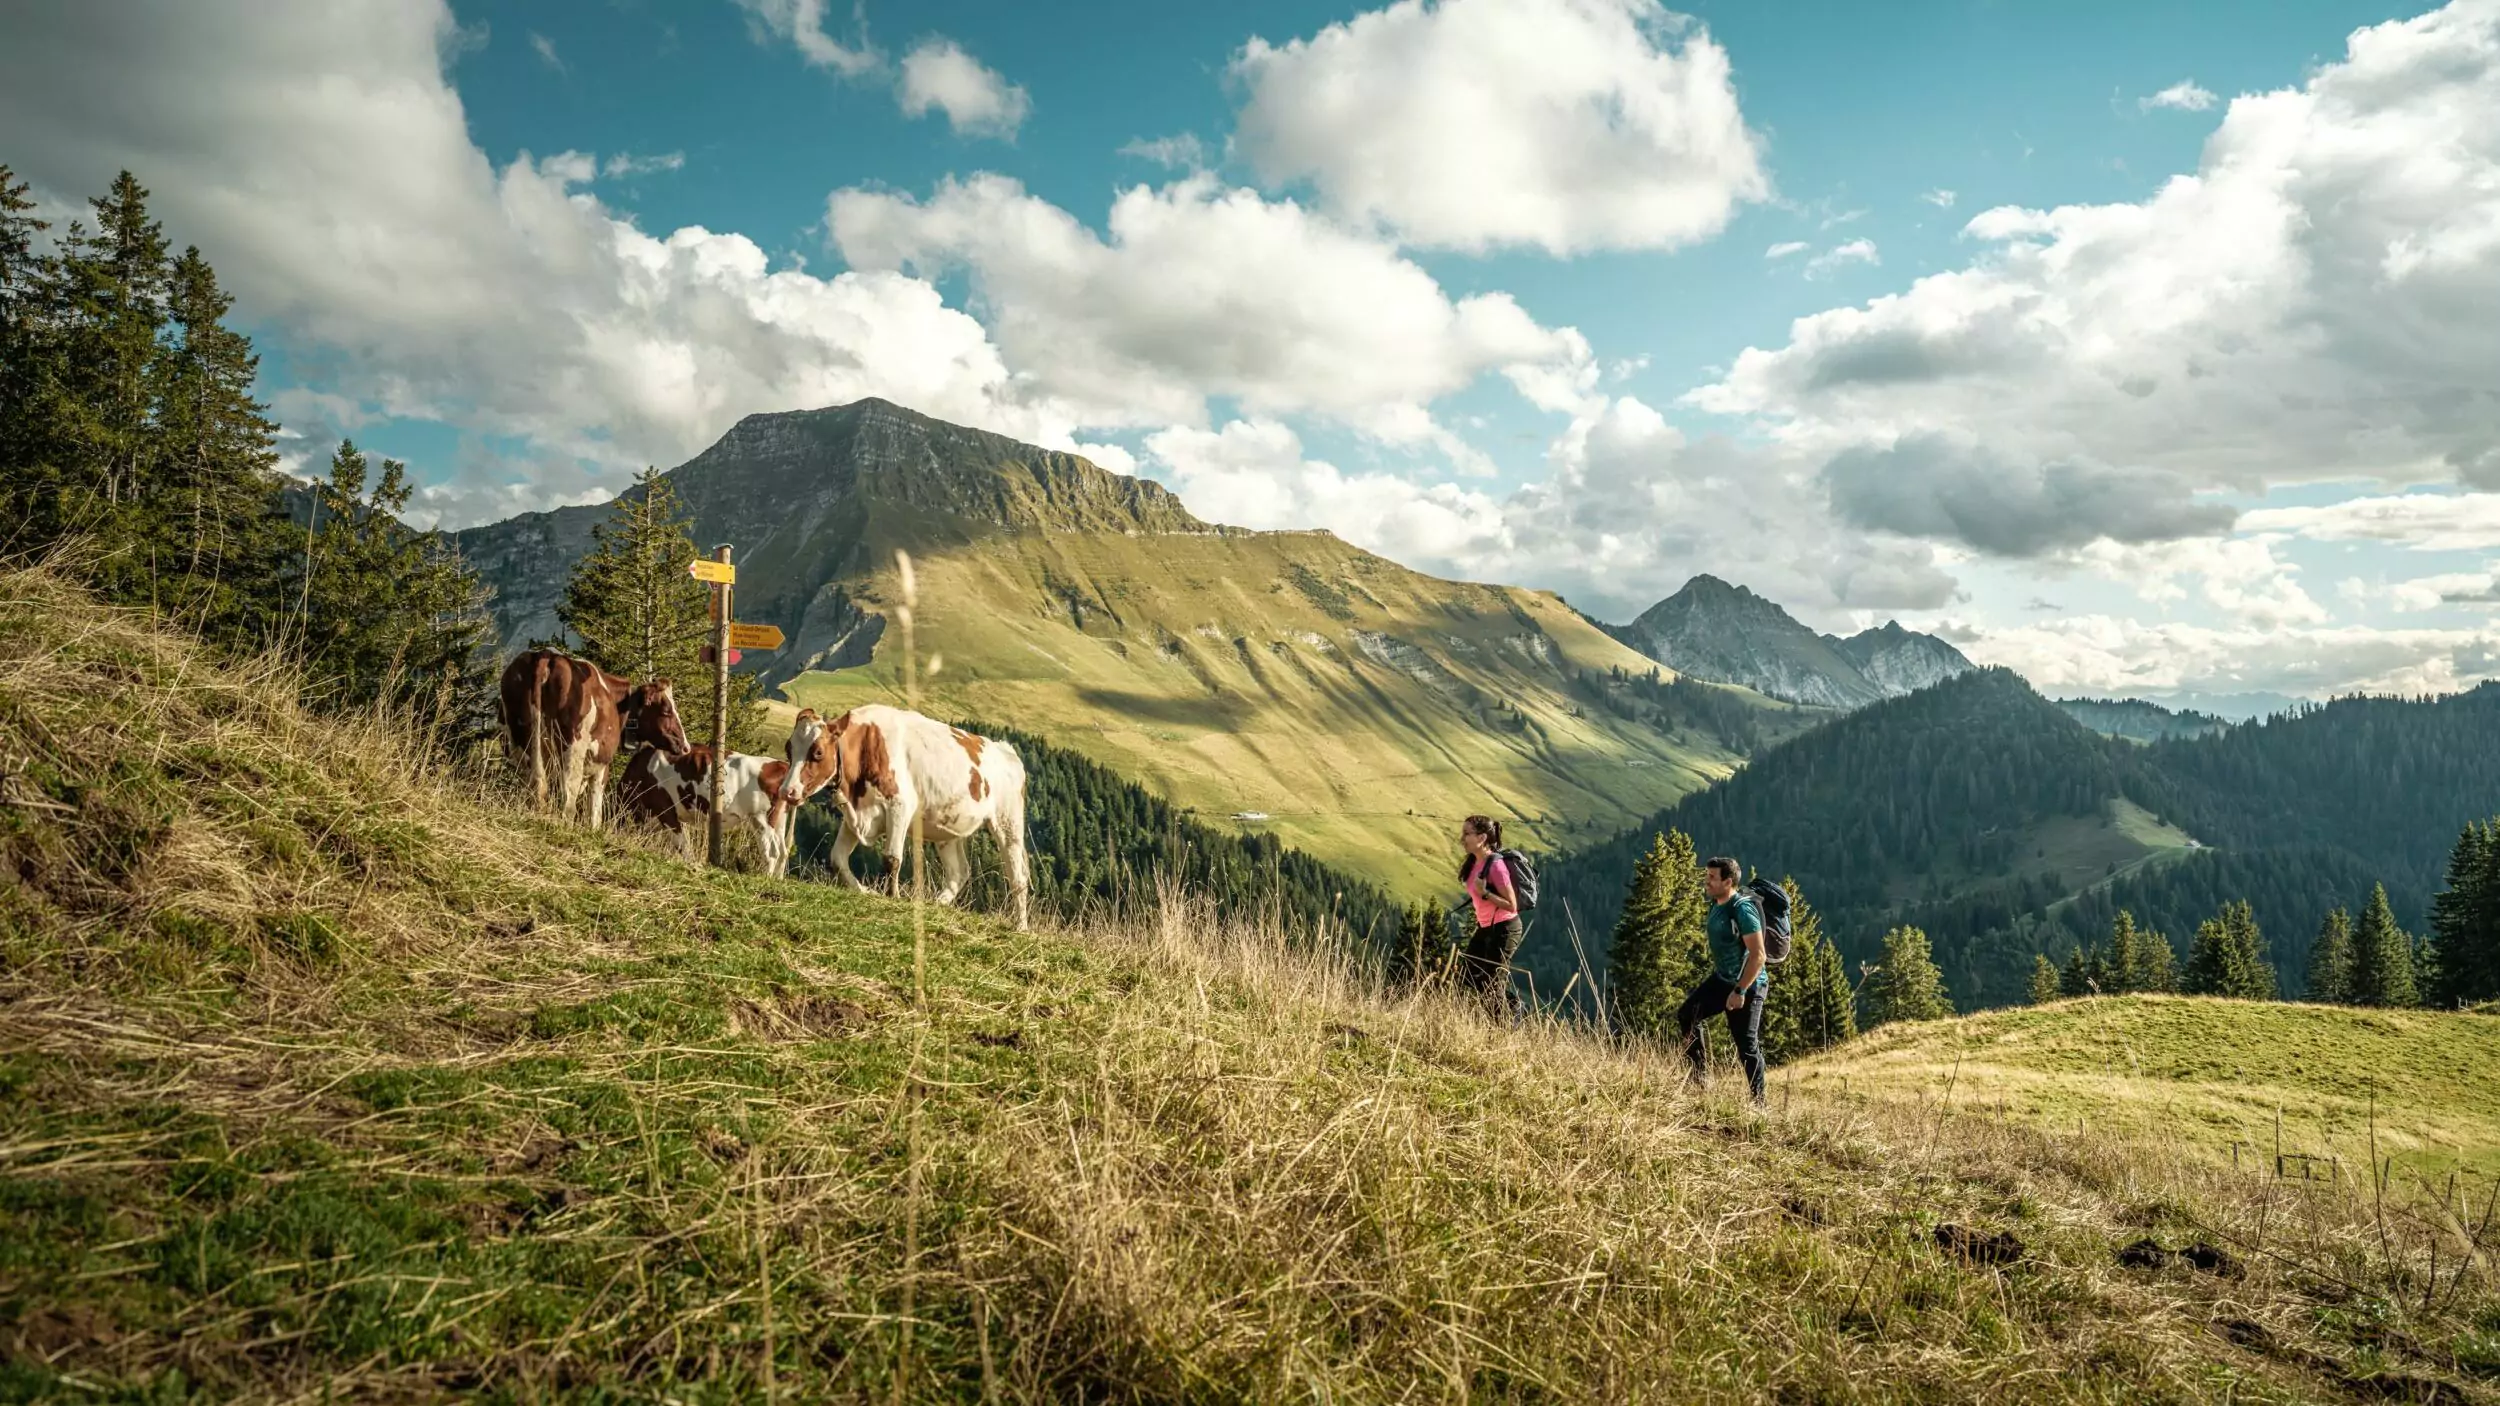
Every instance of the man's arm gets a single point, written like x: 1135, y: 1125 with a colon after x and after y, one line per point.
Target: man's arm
x: 1753, y: 965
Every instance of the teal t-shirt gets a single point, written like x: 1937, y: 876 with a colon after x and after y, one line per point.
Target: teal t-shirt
x: 1727, y: 926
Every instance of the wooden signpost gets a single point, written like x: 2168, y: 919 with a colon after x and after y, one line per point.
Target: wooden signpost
x: 728, y: 638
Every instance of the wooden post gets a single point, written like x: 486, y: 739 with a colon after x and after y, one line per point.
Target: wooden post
x: 720, y: 707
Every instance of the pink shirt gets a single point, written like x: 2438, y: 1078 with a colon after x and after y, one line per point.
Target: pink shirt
x: 1480, y: 886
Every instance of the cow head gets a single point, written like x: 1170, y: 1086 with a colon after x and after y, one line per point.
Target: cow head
x: 650, y: 714
x: 809, y: 760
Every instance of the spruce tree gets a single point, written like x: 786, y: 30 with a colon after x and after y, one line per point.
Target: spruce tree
x: 1416, y: 959
x: 1659, y: 949
x: 637, y: 613
x: 2156, y: 965
x: 2465, y: 920
x: 1906, y: 986
x: 2075, y: 978
x: 2123, y: 964
x: 387, y: 616
x: 218, y: 522
x: 2229, y: 957
x: 2045, y: 986
x: 2382, y: 957
x: 2330, y: 961
x: 1809, y: 1007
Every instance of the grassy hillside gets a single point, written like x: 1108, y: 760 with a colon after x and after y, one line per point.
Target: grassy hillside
x: 2206, y: 1073
x: 1361, y: 709
x: 329, y: 1076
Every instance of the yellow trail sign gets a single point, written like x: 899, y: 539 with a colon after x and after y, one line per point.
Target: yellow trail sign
x: 719, y: 573
x: 754, y: 636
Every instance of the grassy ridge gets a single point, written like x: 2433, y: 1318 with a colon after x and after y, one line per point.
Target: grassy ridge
x: 328, y: 1076
x: 2357, y: 1086
x: 1362, y: 708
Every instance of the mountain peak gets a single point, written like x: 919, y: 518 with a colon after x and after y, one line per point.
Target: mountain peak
x: 1725, y: 633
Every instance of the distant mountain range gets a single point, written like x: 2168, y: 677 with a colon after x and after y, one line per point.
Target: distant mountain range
x: 1726, y: 634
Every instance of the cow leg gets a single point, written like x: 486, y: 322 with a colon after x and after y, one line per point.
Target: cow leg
x: 900, y: 816
x: 768, y: 840
x: 956, y: 868
x: 1010, y: 830
x: 845, y: 839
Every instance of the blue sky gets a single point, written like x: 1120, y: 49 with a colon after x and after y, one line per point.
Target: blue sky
x: 1487, y: 285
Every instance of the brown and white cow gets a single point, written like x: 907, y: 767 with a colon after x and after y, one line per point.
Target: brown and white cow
x: 674, y: 791
x: 893, y: 769
x: 571, y: 716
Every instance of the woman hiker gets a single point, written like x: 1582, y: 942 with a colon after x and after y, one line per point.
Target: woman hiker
x: 1485, y: 966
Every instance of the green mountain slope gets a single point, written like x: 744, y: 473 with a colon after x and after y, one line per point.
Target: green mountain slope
x: 329, y: 1076
x: 2138, y: 720
x: 1355, y: 708
x: 2203, y: 1074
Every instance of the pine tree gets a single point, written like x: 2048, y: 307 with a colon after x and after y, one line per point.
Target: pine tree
x: 2156, y: 965
x: 217, y: 519
x: 2330, y: 961
x: 2465, y: 920
x: 1659, y: 950
x: 2075, y: 978
x: 385, y: 615
x: 1416, y: 960
x: 2124, y: 961
x: 2229, y: 957
x: 2045, y: 986
x: 1809, y: 1007
x: 1906, y: 986
x: 637, y: 613
x: 2382, y: 957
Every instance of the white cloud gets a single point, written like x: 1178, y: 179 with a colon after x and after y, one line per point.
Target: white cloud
x: 1785, y: 248
x: 1840, y: 256
x: 626, y: 164
x: 316, y: 154
x: 2429, y: 522
x: 2182, y: 96
x: 1201, y: 290
x: 802, y: 24
x: 938, y: 75
x: 2319, y: 301
x: 2112, y: 655
x: 2241, y: 578
x: 2434, y: 592
x: 1564, y: 125
x: 1941, y: 198
x: 1251, y: 473
x: 1182, y: 152
x: 546, y: 48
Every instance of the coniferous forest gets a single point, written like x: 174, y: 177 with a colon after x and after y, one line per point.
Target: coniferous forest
x: 1936, y: 811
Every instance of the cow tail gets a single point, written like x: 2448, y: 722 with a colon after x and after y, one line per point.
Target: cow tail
x: 537, y: 709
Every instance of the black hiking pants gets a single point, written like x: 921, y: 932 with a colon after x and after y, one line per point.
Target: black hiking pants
x: 1744, y: 1024
x: 1485, y: 965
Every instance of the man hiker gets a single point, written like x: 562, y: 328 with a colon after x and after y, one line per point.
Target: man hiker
x: 1738, y: 981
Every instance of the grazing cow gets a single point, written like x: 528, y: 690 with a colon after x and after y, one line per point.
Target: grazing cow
x: 573, y: 712
x: 674, y: 790
x: 896, y: 769
x: 810, y: 764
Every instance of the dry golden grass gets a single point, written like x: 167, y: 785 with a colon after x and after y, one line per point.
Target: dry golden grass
x: 548, y: 1115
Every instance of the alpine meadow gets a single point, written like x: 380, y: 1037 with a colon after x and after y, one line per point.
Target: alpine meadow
x: 1466, y: 701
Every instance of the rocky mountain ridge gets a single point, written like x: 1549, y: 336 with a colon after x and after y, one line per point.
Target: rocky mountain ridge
x: 1725, y: 633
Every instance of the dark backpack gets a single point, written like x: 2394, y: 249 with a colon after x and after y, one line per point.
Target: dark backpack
x: 1522, y: 877
x: 1771, y: 901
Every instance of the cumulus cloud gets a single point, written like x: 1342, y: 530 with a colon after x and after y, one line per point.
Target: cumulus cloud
x: 2434, y: 592
x: 1839, y: 256
x: 2182, y: 96
x: 1252, y: 473
x: 2112, y: 655
x: 1201, y: 290
x: 939, y: 76
x: 2429, y: 522
x: 1563, y: 125
x: 1933, y: 485
x: 315, y: 153
x: 801, y: 23
x: 2320, y: 300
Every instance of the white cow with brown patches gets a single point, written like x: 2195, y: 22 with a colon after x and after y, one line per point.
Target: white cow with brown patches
x: 892, y: 770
